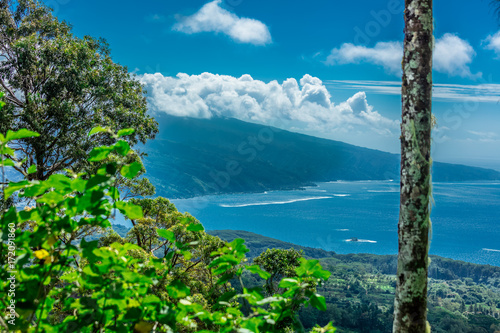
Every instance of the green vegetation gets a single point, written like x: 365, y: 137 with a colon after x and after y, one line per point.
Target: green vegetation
x: 192, y: 157
x: 54, y: 281
x: 65, y: 268
x: 61, y: 87
x: 463, y: 297
x: 360, y: 292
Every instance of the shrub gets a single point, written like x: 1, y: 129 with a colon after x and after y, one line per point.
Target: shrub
x: 53, y: 280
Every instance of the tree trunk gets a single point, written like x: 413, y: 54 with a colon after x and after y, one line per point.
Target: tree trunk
x: 410, y: 306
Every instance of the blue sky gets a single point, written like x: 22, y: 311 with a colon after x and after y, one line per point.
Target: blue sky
x: 322, y: 67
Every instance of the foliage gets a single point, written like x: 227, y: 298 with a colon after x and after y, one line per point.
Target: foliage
x: 62, y: 86
x: 360, y: 292
x: 278, y: 263
x: 115, y: 285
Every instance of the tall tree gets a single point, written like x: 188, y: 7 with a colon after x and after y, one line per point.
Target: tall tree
x: 410, y: 307
x: 61, y: 86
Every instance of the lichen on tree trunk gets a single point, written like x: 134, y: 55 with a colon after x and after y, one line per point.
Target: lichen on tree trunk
x: 410, y: 306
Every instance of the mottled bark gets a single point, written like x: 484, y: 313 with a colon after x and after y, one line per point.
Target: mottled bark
x: 410, y: 307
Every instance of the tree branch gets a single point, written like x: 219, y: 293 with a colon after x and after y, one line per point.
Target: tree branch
x: 12, y: 97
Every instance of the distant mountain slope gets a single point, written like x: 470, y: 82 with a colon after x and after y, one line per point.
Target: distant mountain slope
x: 192, y: 157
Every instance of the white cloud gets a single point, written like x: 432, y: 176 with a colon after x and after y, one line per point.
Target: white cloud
x: 483, y: 136
x: 480, y: 93
x: 493, y: 43
x: 452, y: 56
x: 385, y: 54
x: 304, y: 105
x: 212, y: 18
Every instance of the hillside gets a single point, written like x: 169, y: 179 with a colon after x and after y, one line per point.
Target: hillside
x: 462, y: 297
x: 192, y: 157
x: 257, y: 243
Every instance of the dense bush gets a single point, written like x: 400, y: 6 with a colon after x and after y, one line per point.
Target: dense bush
x: 63, y: 283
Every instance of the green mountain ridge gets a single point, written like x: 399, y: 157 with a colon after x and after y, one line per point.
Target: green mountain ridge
x: 194, y: 157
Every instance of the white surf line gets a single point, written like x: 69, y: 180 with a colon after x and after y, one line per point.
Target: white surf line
x: 272, y: 202
x: 491, y: 250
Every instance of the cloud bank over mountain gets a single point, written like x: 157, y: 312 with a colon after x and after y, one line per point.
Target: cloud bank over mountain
x: 305, y: 104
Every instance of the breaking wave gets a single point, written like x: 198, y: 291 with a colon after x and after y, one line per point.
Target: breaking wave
x: 491, y: 250
x: 271, y: 202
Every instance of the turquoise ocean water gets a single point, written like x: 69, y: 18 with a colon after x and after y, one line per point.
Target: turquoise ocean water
x: 465, y: 217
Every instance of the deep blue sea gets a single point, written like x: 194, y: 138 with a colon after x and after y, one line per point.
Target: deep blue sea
x: 465, y: 217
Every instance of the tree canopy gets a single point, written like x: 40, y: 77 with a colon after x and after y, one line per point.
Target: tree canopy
x: 61, y: 86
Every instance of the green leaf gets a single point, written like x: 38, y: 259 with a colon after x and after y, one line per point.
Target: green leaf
x: 257, y: 270
x: 167, y: 234
x: 13, y: 187
x: 51, y: 198
x: 130, y: 210
x: 131, y: 170
x: 318, y: 302
x: 21, y: 134
x: 177, y: 289
x: 322, y: 274
x: 122, y: 147
x: 195, y: 227
x: 7, y: 151
x: 32, y: 169
x: 114, y: 193
x: 224, y: 278
x: 312, y: 268
x: 125, y: 131
x: 97, y: 129
x: 8, y: 162
x: 96, y: 181
x: 99, y: 153
x: 288, y: 282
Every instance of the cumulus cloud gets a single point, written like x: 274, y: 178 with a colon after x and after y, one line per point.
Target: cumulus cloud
x: 492, y: 42
x: 452, y: 56
x: 304, y: 105
x: 213, y: 18
x: 385, y: 54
